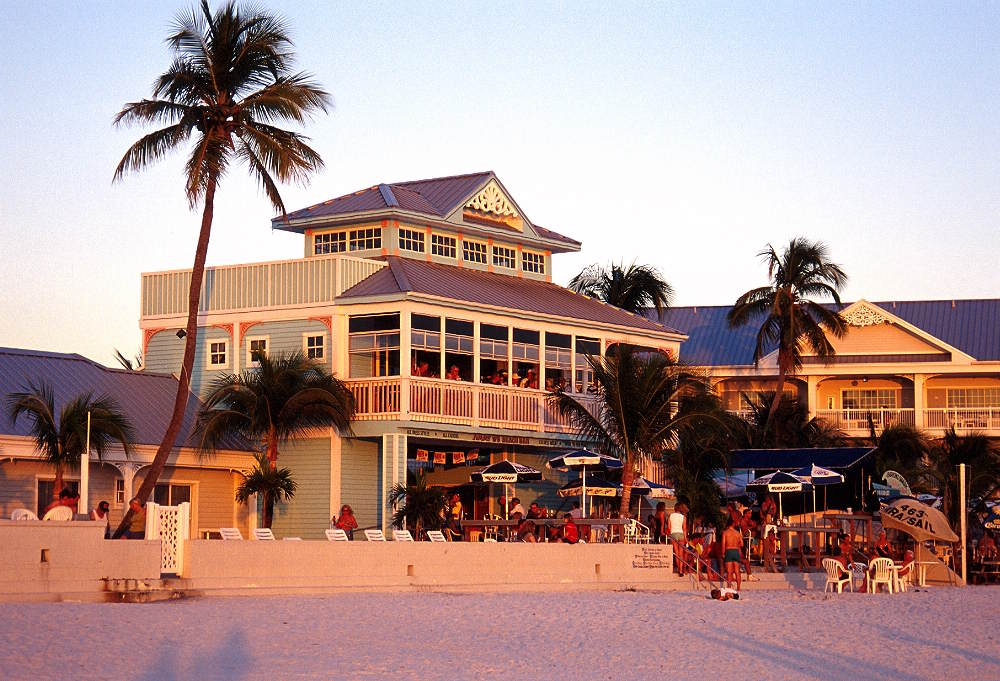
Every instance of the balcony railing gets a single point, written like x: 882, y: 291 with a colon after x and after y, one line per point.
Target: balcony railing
x: 451, y: 402
x: 861, y: 419
x: 855, y: 421
x: 983, y: 419
x: 305, y: 281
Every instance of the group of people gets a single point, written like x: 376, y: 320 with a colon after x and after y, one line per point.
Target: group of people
x: 67, y: 505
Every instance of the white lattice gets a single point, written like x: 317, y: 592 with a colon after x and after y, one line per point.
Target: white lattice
x: 862, y: 314
x: 492, y: 200
x: 169, y: 524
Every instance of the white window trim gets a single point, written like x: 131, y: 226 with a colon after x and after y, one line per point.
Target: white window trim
x: 541, y: 262
x: 453, y: 246
x: 251, y: 364
x: 507, y: 251
x: 306, y: 335
x: 485, y: 252
x: 208, y: 354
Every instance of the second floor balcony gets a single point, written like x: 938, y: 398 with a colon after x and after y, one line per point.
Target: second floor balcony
x: 858, y: 422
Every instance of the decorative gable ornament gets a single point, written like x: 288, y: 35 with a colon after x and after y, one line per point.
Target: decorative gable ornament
x: 492, y: 207
x: 863, y: 314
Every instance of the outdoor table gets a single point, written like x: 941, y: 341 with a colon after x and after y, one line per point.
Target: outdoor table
x: 803, y: 531
x: 922, y: 566
x: 585, y: 524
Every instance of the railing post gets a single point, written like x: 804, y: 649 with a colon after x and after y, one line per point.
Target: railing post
x: 477, y: 395
x: 404, y: 399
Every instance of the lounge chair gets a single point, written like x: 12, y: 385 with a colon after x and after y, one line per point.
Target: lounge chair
x: 23, y: 514
x: 263, y: 534
x: 336, y: 534
x: 402, y: 535
x: 836, y: 576
x: 374, y: 535
x: 231, y: 533
x: 880, y: 571
x: 436, y: 536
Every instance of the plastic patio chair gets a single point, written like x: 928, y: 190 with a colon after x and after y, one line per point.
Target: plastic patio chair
x: 336, y: 534
x: 374, y: 535
x: 231, y: 533
x: 402, y: 535
x: 880, y: 572
x: 263, y: 534
x: 836, y: 576
x: 23, y: 514
x: 59, y: 513
x: 436, y: 536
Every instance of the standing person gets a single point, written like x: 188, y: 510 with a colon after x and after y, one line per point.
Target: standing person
x: 677, y: 527
x: 101, y: 513
x: 571, y: 533
x: 768, y: 541
x: 732, y: 553
x: 455, y: 517
x: 659, y: 527
x: 346, y: 522
x: 768, y: 509
x: 137, y: 525
x: 747, y: 528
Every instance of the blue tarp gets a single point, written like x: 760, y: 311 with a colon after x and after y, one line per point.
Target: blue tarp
x: 833, y: 458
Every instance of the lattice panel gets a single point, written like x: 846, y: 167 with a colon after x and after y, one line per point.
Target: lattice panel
x: 170, y: 538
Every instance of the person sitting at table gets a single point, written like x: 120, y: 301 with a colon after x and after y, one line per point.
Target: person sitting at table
x: 516, y: 507
x: 526, y: 530
x: 570, y: 530
x: 453, y: 373
x: 846, y: 550
x: 882, y: 548
x: 987, y: 548
x: 907, y: 564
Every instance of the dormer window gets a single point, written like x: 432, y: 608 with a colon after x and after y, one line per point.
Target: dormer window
x: 504, y: 257
x: 411, y: 240
x: 365, y: 239
x: 533, y: 262
x: 444, y: 246
x: 474, y: 251
x: 331, y: 242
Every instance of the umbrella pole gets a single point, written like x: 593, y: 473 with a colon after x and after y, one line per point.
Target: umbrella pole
x: 584, y: 491
x: 781, y: 513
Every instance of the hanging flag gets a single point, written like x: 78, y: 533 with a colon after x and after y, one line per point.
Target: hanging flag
x: 440, y: 457
x: 473, y: 455
x: 422, y: 455
x: 458, y: 457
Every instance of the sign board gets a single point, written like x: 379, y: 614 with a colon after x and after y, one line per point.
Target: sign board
x: 785, y: 487
x: 897, y: 482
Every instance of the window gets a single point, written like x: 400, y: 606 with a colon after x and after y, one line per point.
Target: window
x: 525, y: 354
x: 872, y: 398
x: 585, y: 348
x: 313, y: 345
x: 493, y: 343
x: 46, y: 491
x: 557, y: 361
x: 425, y: 346
x: 504, y: 257
x: 373, y: 345
x: 365, y: 239
x: 443, y: 245
x: 119, y: 492
x: 411, y: 240
x: 973, y: 398
x: 256, y: 346
x: 458, y: 349
x: 331, y: 242
x: 533, y: 262
x: 171, y: 495
x: 474, y: 251
x: 218, y: 354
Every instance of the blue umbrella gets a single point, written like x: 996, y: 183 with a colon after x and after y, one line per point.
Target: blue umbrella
x: 596, y: 488
x: 819, y: 477
x: 780, y: 482
x: 581, y: 460
x: 506, y: 472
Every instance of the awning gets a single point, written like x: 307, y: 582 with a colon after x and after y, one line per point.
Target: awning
x: 834, y: 458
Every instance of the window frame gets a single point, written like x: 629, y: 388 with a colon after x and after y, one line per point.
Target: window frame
x: 306, y: 336
x: 330, y: 239
x: 209, y: 354
x: 467, y: 245
x: 364, y: 239
x: 876, y: 393
x: 251, y: 362
x: 504, y: 257
x: 442, y: 249
x: 411, y: 240
x: 532, y: 262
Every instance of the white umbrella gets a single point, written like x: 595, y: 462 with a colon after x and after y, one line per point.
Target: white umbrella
x: 780, y: 482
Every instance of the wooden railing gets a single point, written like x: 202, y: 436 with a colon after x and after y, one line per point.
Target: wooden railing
x: 860, y: 419
x: 305, y: 281
x: 855, y: 421
x: 452, y: 402
x: 984, y: 419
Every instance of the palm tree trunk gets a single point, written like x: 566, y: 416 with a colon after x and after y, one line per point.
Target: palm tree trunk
x: 58, y: 484
x: 187, y: 365
x: 628, y: 475
x: 268, y: 514
x: 779, y: 392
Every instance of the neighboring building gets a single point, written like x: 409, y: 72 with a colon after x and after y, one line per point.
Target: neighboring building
x: 434, y: 300
x: 208, y: 483
x: 933, y: 364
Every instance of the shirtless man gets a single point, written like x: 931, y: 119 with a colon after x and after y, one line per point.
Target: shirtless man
x: 732, y: 553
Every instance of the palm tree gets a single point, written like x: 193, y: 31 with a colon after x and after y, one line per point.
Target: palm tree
x: 61, y: 436
x: 230, y: 82
x: 789, y: 426
x: 940, y: 467
x: 637, y: 417
x: 788, y: 317
x: 268, y: 481
x: 634, y: 288
x: 419, y: 505
x: 280, y: 401
x: 900, y: 448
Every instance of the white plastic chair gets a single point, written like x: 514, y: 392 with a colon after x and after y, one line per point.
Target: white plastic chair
x: 59, y: 513
x: 836, y: 576
x: 23, y: 514
x: 374, y: 535
x: 263, y: 534
x: 336, y: 534
x: 880, y: 572
x: 231, y: 533
x: 291, y: 538
x: 402, y: 535
x: 436, y: 536
x: 489, y: 540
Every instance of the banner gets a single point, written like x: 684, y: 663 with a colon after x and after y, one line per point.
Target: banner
x: 472, y: 456
x: 458, y: 457
x: 422, y: 455
x: 897, y: 482
x: 440, y: 457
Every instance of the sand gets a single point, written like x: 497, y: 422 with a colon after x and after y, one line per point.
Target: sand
x: 931, y: 634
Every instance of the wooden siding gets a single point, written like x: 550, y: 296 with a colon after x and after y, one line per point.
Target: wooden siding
x: 166, y: 351
x: 286, y: 336
x: 307, y: 515
x: 19, y: 486
x: 879, y: 339
x: 359, y: 482
x: 213, y: 496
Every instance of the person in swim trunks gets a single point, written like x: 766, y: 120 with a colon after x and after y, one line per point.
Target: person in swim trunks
x: 732, y: 554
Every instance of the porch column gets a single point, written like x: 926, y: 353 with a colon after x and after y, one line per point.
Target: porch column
x: 235, y: 350
x: 393, y: 471
x: 812, y: 383
x: 918, y: 400
x: 336, y: 468
x: 572, y: 364
x: 476, y: 370
x: 405, y: 360
x: 339, y: 346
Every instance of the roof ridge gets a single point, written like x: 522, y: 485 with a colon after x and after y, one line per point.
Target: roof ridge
x: 444, y: 177
x: 397, y: 268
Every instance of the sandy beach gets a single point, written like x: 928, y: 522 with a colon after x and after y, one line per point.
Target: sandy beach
x: 931, y: 634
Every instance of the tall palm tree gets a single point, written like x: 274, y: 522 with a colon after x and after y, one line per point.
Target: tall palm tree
x: 419, y: 505
x: 280, y: 401
x: 635, y: 288
x: 789, y: 426
x: 788, y: 317
x: 900, y: 448
x: 637, y: 417
x: 230, y: 82
x: 61, y: 436
x: 266, y: 480
x: 940, y: 467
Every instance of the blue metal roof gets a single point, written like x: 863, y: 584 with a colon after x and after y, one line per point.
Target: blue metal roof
x: 972, y: 326
x: 146, y: 398
x: 790, y: 459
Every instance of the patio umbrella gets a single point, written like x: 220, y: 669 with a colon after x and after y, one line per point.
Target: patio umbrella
x: 506, y: 472
x: 819, y: 477
x: 596, y: 488
x: 646, y: 488
x: 581, y: 460
x: 780, y: 482
x: 918, y: 520
x: 992, y: 521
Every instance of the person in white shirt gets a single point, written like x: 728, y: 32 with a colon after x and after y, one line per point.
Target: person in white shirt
x: 516, y: 507
x: 102, y: 512
x: 577, y: 513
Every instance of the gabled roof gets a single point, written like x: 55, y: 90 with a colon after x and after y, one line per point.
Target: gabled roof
x: 146, y: 398
x: 406, y: 275
x: 437, y: 197
x: 972, y: 326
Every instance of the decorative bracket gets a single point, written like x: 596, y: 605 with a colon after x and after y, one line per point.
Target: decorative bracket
x: 863, y: 314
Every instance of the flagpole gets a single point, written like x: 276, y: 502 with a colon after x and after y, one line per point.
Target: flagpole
x: 584, y: 510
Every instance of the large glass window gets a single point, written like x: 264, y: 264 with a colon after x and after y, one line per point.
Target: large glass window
x: 525, y: 355
x: 586, y: 347
x: 443, y: 245
x: 870, y: 398
x: 331, y: 242
x: 493, y: 342
x: 365, y: 239
x: 474, y: 251
x: 973, y: 398
x: 411, y: 240
x: 458, y: 349
x: 557, y: 361
x: 425, y: 346
x: 373, y: 345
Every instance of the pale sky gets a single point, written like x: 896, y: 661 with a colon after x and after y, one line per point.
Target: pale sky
x: 683, y: 136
